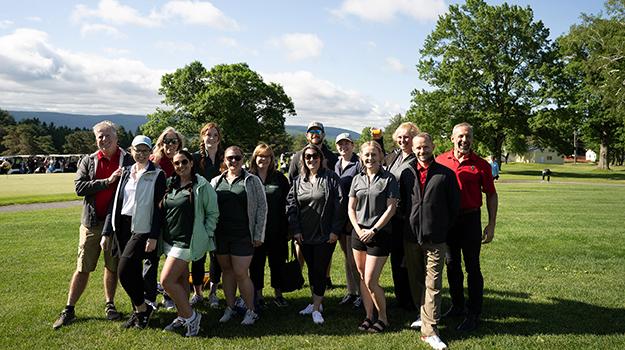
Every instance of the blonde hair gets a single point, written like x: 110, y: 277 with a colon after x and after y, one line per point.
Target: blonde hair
x: 158, y: 151
x: 219, y: 157
x: 262, y: 147
x: 412, y: 129
x: 367, y: 144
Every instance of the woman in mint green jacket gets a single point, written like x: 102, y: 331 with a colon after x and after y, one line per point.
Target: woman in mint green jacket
x: 190, y: 204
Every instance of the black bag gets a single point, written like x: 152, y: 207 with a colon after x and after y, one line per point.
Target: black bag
x: 292, y: 278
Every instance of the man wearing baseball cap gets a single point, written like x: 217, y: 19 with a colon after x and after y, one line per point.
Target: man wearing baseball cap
x: 315, y: 134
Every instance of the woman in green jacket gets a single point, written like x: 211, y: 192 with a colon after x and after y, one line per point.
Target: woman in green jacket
x: 191, y: 212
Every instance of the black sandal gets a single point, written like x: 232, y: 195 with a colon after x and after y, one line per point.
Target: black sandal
x: 378, y: 327
x: 365, y: 325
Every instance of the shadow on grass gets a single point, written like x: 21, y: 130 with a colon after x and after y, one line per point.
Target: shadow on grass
x: 613, y: 175
x: 512, y: 313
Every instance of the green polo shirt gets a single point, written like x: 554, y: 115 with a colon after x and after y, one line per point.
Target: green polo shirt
x: 232, y: 201
x: 372, y: 195
x: 180, y: 212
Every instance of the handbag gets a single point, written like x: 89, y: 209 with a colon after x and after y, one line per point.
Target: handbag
x: 292, y: 278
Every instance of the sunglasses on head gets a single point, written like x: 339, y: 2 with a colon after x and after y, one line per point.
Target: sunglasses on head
x: 234, y: 158
x: 181, y: 162
x: 170, y: 141
x: 315, y: 131
x: 311, y: 156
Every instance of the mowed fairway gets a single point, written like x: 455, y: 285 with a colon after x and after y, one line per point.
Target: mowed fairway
x: 554, y: 279
x: 36, y: 188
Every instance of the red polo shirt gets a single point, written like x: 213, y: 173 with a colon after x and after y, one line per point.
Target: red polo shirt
x: 423, y: 175
x: 165, y: 164
x: 104, y: 169
x: 474, y: 177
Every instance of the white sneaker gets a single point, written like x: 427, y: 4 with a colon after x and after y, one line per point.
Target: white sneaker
x: 435, y: 342
x: 228, y: 314
x: 177, y: 323
x: 196, y: 299
x: 417, y: 323
x: 240, y: 303
x: 213, y: 301
x: 317, y: 317
x: 193, y: 324
x: 309, y: 310
x: 250, y: 318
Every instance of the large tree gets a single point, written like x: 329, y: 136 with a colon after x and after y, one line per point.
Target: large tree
x: 247, y: 109
x: 484, y: 63
x: 27, y: 138
x: 594, y: 57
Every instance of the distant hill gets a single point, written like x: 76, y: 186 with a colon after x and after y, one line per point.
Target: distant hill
x: 132, y: 122
x: 331, y: 132
x: 128, y: 121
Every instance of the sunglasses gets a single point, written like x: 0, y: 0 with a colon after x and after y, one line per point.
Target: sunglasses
x: 170, y: 141
x: 315, y: 131
x: 311, y: 156
x: 141, y: 151
x: 182, y: 162
x: 234, y: 158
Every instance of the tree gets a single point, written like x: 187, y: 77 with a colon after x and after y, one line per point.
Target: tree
x: 6, y: 120
x: 484, y: 63
x: 247, y: 109
x: 27, y: 138
x: 79, y: 142
x: 594, y: 60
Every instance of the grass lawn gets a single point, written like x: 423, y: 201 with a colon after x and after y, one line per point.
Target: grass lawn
x: 580, y: 172
x: 553, y: 280
x: 36, y: 188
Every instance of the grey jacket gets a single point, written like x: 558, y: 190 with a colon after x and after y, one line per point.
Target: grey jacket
x: 256, y: 203
x: 86, y: 185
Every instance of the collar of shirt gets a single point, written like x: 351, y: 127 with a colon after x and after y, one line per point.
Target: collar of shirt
x: 101, y: 154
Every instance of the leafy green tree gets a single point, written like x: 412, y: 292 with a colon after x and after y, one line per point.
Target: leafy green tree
x: 6, y: 120
x: 485, y: 64
x: 27, y: 138
x: 79, y: 142
x: 247, y: 109
x: 594, y: 61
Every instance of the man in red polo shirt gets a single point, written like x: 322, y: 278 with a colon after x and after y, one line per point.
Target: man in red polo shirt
x: 96, y: 180
x: 466, y: 236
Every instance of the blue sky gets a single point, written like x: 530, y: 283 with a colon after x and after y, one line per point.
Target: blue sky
x: 348, y: 63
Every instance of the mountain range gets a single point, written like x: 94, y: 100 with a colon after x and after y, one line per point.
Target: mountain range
x: 132, y: 122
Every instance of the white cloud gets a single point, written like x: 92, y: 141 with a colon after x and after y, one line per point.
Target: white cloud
x: 5, y: 23
x: 395, y: 65
x: 300, y: 46
x: 114, y: 51
x: 36, y: 75
x: 189, y: 12
x: 319, y: 99
x: 198, y: 12
x: 387, y: 10
x: 228, y: 41
x: 87, y: 29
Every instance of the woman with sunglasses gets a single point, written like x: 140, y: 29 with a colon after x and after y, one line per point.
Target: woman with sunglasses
x: 190, y: 204
x: 241, y: 228
x: 372, y: 203
x: 133, y: 223
x: 316, y: 215
x: 167, y: 144
x: 275, y: 246
x: 207, y: 162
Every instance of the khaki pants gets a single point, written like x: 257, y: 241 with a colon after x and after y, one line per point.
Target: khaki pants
x: 425, y: 274
x: 89, y: 250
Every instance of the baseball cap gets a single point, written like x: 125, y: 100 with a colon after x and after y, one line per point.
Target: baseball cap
x: 317, y: 125
x: 141, y: 140
x: 344, y: 136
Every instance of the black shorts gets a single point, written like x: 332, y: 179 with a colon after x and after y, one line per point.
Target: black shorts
x: 380, y: 245
x: 236, y: 247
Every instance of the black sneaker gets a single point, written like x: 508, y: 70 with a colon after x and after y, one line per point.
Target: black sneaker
x: 348, y: 298
x: 131, y: 322
x: 280, y: 302
x: 470, y: 323
x: 64, y: 319
x: 111, y: 312
x: 454, y: 311
x: 143, y: 318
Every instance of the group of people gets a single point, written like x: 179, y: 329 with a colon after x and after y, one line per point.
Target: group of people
x: 162, y: 200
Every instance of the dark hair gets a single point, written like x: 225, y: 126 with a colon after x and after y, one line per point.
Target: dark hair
x: 303, y: 168
x: 219, y: 156
x: 174, y: 181
x: 260, y: 148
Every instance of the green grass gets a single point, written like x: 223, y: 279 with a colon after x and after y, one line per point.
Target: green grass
x: 553, y: 280
x: 581, y: 172
x: 36, y: 188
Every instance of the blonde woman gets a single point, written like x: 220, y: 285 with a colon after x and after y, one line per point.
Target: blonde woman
x: 167, y: 144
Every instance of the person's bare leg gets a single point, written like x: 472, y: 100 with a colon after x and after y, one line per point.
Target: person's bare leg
x: 110, y: 285
x: 77, y: 286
